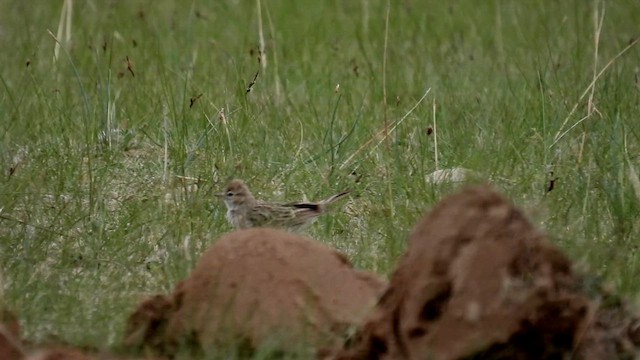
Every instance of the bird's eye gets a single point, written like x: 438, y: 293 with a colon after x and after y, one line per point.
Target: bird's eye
x: 229, y: 193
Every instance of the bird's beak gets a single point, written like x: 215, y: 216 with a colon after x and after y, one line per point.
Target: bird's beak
x: 220, y: 195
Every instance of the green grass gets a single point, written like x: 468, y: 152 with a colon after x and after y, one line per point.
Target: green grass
x: 93, y: 223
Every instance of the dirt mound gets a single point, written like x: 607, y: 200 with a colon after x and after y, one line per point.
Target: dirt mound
x: 10, y: 345
x: 255, y: 286
x: 479, y: 281
x: 10, y: 348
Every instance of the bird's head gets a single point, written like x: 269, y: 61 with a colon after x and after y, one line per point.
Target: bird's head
x: 236, y: 195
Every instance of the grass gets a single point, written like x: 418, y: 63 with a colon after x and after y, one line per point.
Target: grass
x: 95, y: 215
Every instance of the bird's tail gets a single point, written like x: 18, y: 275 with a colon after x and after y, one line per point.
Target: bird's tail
x: 335, y: 198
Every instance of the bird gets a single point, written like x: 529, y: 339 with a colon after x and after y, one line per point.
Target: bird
x: 244, y: 211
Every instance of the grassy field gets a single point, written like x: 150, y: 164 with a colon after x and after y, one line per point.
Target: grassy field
x: 109, y: 165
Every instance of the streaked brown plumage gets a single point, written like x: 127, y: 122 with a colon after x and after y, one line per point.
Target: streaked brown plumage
x: 244, y: 211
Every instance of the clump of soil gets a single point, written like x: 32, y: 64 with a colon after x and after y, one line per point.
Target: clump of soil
x: 479, y: 281
x: 258, y: 286
x: 10, y: 345
x: 10, y: 348
x: 13, y: 348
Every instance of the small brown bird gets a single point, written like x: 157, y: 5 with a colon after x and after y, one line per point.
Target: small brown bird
x: 244, y: 211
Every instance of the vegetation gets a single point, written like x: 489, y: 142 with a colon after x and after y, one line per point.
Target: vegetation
x: 119, y: 120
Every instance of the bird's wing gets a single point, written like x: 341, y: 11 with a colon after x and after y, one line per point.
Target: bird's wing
x: 271, y: 214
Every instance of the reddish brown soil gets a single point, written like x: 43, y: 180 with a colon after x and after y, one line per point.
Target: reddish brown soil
x: 13, y: 348
x: 10, y: 347
x: 479, y: 281
x: 259, y: 285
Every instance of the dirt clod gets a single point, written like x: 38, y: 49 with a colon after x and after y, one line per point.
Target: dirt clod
x: 10, y: 347
x: 256, y: 286
x: 479, y: 281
